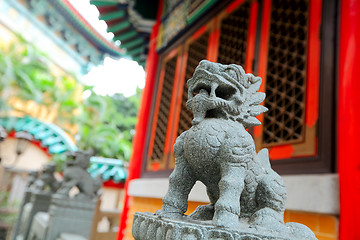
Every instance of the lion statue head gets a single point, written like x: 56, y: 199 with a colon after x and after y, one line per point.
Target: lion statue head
x: 225, y: 91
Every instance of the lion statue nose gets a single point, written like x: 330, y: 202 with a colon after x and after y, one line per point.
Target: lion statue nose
x: 198, y: 104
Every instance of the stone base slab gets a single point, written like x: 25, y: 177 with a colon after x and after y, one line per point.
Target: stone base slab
x: 147, y: 226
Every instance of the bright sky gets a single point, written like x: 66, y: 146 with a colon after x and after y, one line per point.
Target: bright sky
x: 114, y: 76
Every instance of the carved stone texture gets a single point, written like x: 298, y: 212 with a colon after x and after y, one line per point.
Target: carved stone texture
x: 246, y: 195
x: 76, y: 175
x: 150, y: 226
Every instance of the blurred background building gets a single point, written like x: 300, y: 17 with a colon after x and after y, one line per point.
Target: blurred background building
x: 46, y: 46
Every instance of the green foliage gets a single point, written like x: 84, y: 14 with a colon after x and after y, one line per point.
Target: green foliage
x: 24, y: 71
x: 8, y: 213
x: 106, y: 123
x: 60, y: 160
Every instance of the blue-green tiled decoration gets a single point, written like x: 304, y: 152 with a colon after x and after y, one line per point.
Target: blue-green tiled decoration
x: 111, y: 169
x: 50, y: 135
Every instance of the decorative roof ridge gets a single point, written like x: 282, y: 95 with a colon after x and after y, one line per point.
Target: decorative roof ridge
x: 83, y: 26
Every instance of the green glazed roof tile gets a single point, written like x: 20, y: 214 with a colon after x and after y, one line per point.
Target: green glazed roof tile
x: 30, y: 125
x: 102, y: 169
x: 9, y: 125
x: 115, y: 169
x: 119, y: 176
x: 106, y: 175
x: 51, y: 141
x: 126, y: 27
x: 62, y: 134
x: 133, y: 43
x: 102, y: 3
x: 112, y: 15
x: 2, y: 122
x: 19, y: 125
x: 37, y: 129
x: 110, y: 169
x: 43, y: 135
x: 119, y: 27
x: 79, y: 23
x: 58, y: 148
x: 50, y: 135
x: 124, y: 37
x: 135, y: 51
x: 93, y: 168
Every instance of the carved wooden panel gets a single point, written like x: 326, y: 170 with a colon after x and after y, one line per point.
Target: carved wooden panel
x: 286, y: 73
x: 164, y: 108
x: 233, y: 36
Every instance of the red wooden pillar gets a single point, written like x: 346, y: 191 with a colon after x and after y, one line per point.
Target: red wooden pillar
x: 348, y: 120
x: 135, y: 165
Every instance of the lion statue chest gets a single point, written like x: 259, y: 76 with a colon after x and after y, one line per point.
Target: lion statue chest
x: 203, y: 144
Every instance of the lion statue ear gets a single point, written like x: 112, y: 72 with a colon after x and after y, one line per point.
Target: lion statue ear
x: 250, y: 108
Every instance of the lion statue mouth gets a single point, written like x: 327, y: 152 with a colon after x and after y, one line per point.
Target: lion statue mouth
x: 204, y: 106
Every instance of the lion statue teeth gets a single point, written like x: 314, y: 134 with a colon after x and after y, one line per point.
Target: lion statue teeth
x: 218, y: 151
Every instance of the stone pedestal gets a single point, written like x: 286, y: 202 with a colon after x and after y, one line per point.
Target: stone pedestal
x: 39, y: 202
x: 151, y: 227
x: 25, y: 200
x: 65, y: 215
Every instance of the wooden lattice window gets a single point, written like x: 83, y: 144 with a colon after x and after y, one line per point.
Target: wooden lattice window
x: 197, y: 52
x: 284, y: 123
x: 234, y: 36
x: 157, y: 150
x: 278, y: 40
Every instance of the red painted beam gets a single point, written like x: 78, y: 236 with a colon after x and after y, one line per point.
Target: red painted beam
x: 250, y: 51
x: 313, y: 64
x: 348, y: 120
x: 136, y: 159
x: 264, y: 47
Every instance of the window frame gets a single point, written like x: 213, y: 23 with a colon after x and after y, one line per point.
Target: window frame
x: 321, y: 40
x: 323, y: 161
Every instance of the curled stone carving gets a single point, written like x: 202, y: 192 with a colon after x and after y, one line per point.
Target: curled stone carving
x: 247, y: 198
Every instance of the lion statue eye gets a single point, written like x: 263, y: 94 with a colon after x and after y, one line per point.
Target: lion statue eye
x: 225, y: 92
x: 200, y: 87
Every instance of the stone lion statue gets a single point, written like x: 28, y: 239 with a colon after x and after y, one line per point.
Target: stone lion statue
x: 76, y: 175
x: 218, y: 151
